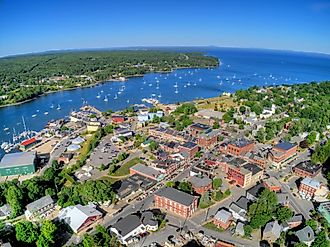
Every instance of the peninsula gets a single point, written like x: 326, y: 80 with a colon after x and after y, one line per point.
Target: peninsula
x: 25, y: 77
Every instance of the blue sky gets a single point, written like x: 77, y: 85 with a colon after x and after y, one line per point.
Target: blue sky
x: 40, y: 25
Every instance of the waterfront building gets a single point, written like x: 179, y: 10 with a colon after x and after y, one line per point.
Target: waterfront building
x: 18, y: 163
x: 28, y: 143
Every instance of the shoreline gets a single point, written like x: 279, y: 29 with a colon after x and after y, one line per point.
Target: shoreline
x: 100, y: 82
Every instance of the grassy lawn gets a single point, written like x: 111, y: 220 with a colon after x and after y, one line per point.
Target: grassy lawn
x: 224, y: 101
x: 124, y: 169
x: 213, y: 227
x: 203, y: 205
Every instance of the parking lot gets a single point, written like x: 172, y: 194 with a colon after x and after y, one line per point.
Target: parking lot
x: 103, y: 154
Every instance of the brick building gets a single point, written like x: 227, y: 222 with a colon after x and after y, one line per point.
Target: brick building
x: 223, y: 219
x: 146, y: 171
x: 307, y: 169
x: 208, y: 139
x: 282, y: 153
x: 176, y: 201
x: 188, y: 149
x: 117, y: 119
x: 237, y: 147
x: 198, y: 128
x: 272, y: 184
x: 308, y: 188
x: 200, y: 184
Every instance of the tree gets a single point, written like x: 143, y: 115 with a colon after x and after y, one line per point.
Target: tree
x: 216, y: 124
x: 47, y: 234
x: 242, y: 109
x: 283, y: 214
x: 185, y: 186
x: 217, y: 195
x: 312, y: 223
x: 247, y: 230
x: 26, y: 232
x: 301, y: 244
x: 311, y: 137
x: 14, y: 198
x: 170, y: 184
x: 227, y: 117
x: 153, y: 146
x: 216, y: 183
x: 321, y: 240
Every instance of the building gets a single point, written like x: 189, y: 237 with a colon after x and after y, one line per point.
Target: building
x: 324, y: 209
x: 188, y: 149
x: 149, y: 116
x: 282, y: 153
x: 170, y: 147
x: 254, y: 192
x: 308, y: 188
x: 18, y: 163
x: 65, y: 158
x: 165, y: 166
x: 295, y: 221
x: 146, y: 171
x: 242, y: 173
x: 272, y: 231
x: 176, y: 201
x: 237, y: 147
x: 93, y: 126
x: 272, y: 184
x: 28, y: 143
x: 79, y: 217
x: 240, y: 208
x: 5, y: 211
x: 198, y: 128
x: 223, y: 219
x: 40, y: 208
x: 209, y: 114
x: 283, y: 199
x: 116, y: 119
x: 306, y: 235
x: 132, y: 226
x: 200, y: 184
x: 307, y: 169
x: 208, y: 139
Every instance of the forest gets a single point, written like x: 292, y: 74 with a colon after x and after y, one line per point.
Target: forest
x: 28, y: 76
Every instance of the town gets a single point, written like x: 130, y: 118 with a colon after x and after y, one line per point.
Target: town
x: 227, y: 171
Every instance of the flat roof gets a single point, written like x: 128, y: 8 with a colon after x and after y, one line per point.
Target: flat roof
x: 176, y: 195
x: 18, y: 159
x: 252, y: 167
x: 242, y: 142
x: 147, y: 170
x: 308, y: 166
x: 200, y: 126
x: 39, y: 204
x: 199, y: 181
x: 284, y: 146
x: 189, y: 145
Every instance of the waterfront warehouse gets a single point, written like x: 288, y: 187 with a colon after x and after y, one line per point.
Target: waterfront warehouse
x: 18, y: 164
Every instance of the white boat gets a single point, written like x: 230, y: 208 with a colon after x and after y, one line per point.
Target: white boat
x: 119, y: 92
x: 195, y: 84
x: 58, y: 107
x: 105, y: 99
x: 116, y: 97
x: 200, y: 79
x: 98, y: 96
x: 159, y: 96
x: 46, y: 112
x: 176, y: 91
x: 34, y: 115
x: 176, y: 84
x: 127, y: 101
x: 37, y: 110
x: 150, y: 101
x: 188, y: 84
x: 5, y: 129
x: 52, y: 106
x: 150, y: 84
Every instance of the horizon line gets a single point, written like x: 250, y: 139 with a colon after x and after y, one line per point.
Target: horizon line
x: 158, y: 46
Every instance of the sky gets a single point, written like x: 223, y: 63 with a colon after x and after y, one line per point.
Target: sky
x: 42, y: 25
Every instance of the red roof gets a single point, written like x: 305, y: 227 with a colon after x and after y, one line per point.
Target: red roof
x: 29, y: 141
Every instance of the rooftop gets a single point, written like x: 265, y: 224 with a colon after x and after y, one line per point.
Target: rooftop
x: 209, y: 114
x: 29, y: 141
x: 284, y: 146
x: 243, y: 203
x: 253, y: 168
x: 39, y: 204
x: 176, y: 195
x: 255, y: 190
x: 127, y: 224
x: 242, y: 142
x: 306, y: 234
x: 223, y: 215
x: 199, y: 126
x: 189, y: 145
x: 274, y: 227
x: 199, y: 181
x: 311, y: 182
x: 17, y: 159
x: 147, y: 170
x: 308, y: 167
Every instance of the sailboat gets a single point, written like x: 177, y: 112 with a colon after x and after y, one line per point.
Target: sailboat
x: 105, y: 99
x: 58, y: 107
x: 98, y: 96
x: 176, y: 84
x: 176, y: 91
x: 116, y: 97
x: 52, y: 106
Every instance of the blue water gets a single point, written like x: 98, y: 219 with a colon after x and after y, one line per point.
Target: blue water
x: 240, y: 69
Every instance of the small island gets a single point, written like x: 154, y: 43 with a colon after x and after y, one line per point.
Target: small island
x: 25, y: 77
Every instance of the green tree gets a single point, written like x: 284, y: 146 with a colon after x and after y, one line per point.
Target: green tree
x: 14, y: 198
x: 242, y: 109
x: 283, y: 214
x: 311, y: 138
x: 153, y: 146
x: 26, y: 232
x: 321, y: 240
x: 216, y: 124
x: 216, y: 183
x: 312, y: 223
x: 47, y: 234
x: 247, y: 230
x: 170, y: 184
x: 185, y: 186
